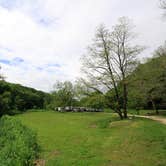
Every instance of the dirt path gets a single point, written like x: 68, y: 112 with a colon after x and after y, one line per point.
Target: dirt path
x: 157, y: 118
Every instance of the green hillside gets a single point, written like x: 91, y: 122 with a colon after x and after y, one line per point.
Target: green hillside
x: 17, y: 98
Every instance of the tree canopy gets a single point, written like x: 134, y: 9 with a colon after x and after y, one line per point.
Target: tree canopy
x: 148, y: 82
x: 110, y: 59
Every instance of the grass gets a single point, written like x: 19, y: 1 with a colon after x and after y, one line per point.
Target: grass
x: 18, y: 144
x: 97, y: 139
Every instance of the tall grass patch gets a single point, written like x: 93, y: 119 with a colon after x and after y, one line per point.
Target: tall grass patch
x: 18, y: 144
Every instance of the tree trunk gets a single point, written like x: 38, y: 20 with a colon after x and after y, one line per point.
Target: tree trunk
x: 119, y: 112
x: 118, y: 101
x: 124, y: 100
x: 120, y: 115
x: 154, y: 107
x: 157, y: 111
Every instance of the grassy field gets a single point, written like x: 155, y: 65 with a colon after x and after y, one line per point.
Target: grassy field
x: 97, y: 139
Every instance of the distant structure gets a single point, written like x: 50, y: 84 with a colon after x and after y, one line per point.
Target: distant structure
x: 77, y: 109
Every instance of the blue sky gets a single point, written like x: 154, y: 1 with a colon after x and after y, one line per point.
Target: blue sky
x: 42, y: 41
x: 16, y: 61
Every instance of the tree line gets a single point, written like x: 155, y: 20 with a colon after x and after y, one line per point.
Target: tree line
x: 146, y: 89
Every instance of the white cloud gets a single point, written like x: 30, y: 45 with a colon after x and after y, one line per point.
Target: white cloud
x: 45, y: 32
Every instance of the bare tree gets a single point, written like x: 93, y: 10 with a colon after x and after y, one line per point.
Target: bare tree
x: 123, y: 54
x: 111, y: 58
x: 163, y: 5
x: 85, y: 88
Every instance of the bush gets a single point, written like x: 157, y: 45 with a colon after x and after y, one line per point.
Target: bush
x: 18, y: 144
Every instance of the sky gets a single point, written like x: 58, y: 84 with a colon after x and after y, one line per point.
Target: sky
x: 42, y: 41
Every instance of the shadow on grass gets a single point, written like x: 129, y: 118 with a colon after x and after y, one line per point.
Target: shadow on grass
x: 161, y: 112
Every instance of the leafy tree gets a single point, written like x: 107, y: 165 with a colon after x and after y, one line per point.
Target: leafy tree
x: 5, y: 102
x: 64, y: 94
x: 93, y: 100
x: 147, y: 83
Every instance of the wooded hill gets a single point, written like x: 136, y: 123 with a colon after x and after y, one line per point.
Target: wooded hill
x: 15, y: 97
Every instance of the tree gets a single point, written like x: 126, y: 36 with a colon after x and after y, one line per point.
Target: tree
x: 93, y: 100
x: 85, y: 89
x: 5, y: 103
x: 110, y: 59
x: 124, y: 54
x: 64, y: 94
x: 163, y: 5
x: 147, y: 82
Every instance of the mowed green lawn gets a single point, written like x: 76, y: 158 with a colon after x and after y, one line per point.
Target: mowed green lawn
x: 97, y: 139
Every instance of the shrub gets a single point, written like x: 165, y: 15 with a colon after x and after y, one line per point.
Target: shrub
x: 18, y: 144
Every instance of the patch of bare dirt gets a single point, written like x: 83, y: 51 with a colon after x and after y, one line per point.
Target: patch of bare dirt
x: 93, y: 126
x: 40, y: 162
x: 157, y: 118
x: 54, y: 154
